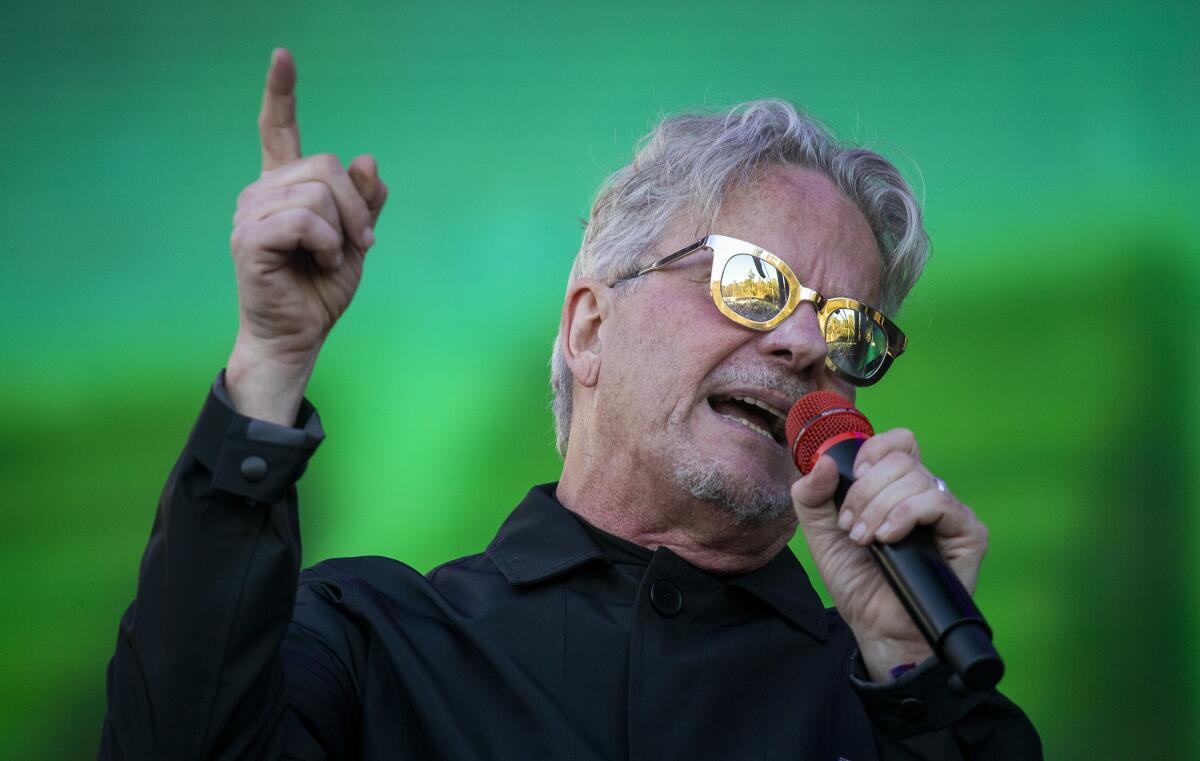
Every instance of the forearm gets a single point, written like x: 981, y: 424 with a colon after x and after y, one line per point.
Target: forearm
x: 197, y: 671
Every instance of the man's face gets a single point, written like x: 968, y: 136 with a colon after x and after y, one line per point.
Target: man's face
x: 674, y: 366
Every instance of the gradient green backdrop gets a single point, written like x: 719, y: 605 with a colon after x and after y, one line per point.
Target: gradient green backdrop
x: 1051, y: 376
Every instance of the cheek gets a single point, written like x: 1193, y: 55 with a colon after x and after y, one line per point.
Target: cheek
x: 668, y: 342
x: 657, y: 360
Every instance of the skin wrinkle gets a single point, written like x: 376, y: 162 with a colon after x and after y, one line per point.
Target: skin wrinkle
x: 689, y: 166
x: 650, y: 460
x: 760, y: 503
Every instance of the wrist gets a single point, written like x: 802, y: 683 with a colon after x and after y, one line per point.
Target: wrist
x: 266, y: 386
x: 886, y: 660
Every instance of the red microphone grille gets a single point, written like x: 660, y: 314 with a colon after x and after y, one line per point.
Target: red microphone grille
x: 817, y: 418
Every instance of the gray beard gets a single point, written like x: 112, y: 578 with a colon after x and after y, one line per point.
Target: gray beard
x: 746, y: 501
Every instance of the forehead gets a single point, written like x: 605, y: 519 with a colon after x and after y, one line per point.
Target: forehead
x: 803, y: 218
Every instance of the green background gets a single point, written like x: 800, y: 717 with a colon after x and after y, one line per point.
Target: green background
x: 1053, y: 364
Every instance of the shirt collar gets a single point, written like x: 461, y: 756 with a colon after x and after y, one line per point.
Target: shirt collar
x: 783, y: 584
x: 541, y: 539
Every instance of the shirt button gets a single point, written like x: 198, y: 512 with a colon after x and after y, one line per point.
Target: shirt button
x: 665, y: 597
x: 254, y: 469
x: 912, y: 710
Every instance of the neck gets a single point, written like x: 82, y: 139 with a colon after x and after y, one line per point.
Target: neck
x: 658, y: 514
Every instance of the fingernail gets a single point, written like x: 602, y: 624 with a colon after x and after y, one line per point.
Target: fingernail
x: 368, y: 237
x: 860, y: 529
x: 845, y: 519
x: 861, y: 470
x: 883, y: 530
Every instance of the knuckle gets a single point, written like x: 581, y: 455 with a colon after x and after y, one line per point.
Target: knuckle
x: 248, y: 194
x: 327, y: 163
x: 854, y: 501
x: 307, y: 222
x: 903, y: 509
x: 307, y: 194
x: 798, y: 491
x: 322, y: 198
x: 900, y: 515
x: 237, y: 238
x: 898, y: 459
x: 905, y: 438
x: 322, y: 233
x: 361, y: 210
x: 981, y: 530
x: 920, y: 481
x: 871, y: 512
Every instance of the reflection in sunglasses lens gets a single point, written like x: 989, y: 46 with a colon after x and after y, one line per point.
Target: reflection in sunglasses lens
x: 856, y: 343
x: 753, y: 288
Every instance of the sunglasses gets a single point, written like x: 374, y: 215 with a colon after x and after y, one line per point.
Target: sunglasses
x: 757, y: 289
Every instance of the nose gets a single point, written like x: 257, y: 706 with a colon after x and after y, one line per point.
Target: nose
x: 798, y: 343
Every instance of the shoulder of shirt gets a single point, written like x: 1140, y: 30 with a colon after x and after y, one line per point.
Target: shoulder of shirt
x: 380, y: 571
x: 374, y: 572
x: 369, y: 587
x: 477, y: 563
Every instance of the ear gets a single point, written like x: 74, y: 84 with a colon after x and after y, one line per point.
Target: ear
x: 584, y: 311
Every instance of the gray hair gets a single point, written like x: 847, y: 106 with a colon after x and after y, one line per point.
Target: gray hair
x: 689, y: 164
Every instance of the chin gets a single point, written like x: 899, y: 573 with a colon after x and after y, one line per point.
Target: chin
x: 753, y: 497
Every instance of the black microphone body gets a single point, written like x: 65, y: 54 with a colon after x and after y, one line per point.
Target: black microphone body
x: 934, y: 597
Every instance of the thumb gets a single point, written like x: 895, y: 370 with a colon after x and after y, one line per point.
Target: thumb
x: 815, y: 491
x: 364, y: 173
x: 812, y: 497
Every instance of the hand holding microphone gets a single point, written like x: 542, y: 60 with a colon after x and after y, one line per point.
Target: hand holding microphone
x: 898, y: 553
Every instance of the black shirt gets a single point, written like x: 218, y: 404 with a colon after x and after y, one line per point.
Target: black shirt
x: 558, y: 642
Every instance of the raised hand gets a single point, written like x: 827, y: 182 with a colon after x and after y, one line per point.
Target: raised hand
x: 893, y: 492
x: 300, y: 236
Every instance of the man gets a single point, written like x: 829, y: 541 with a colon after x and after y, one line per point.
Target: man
x: 644, y: 607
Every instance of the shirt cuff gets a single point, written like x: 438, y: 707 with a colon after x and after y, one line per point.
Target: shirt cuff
x: 920, y: 700
x: 253, y: 458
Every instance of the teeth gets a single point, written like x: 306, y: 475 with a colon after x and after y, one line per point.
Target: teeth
x: 751, y: 426
x: 760, y: 404
x: 778, y: 416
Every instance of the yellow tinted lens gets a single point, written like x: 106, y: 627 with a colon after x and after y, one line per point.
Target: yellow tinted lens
x: 856, y: 343
x: 752, y: 288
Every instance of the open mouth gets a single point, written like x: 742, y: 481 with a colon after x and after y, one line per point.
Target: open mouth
x: 755, y: 414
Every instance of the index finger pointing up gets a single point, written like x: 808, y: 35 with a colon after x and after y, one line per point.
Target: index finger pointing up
x: 277, y: 121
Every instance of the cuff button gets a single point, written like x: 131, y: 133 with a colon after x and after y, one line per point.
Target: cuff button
x: 254, y: 469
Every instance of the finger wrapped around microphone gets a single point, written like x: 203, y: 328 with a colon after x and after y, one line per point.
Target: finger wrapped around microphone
x: 926, y: 544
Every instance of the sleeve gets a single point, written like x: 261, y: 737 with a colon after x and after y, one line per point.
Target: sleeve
x: 198, y: 671
x: 921, y: 717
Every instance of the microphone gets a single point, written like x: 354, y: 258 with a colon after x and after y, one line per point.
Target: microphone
x: 825, y: 423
